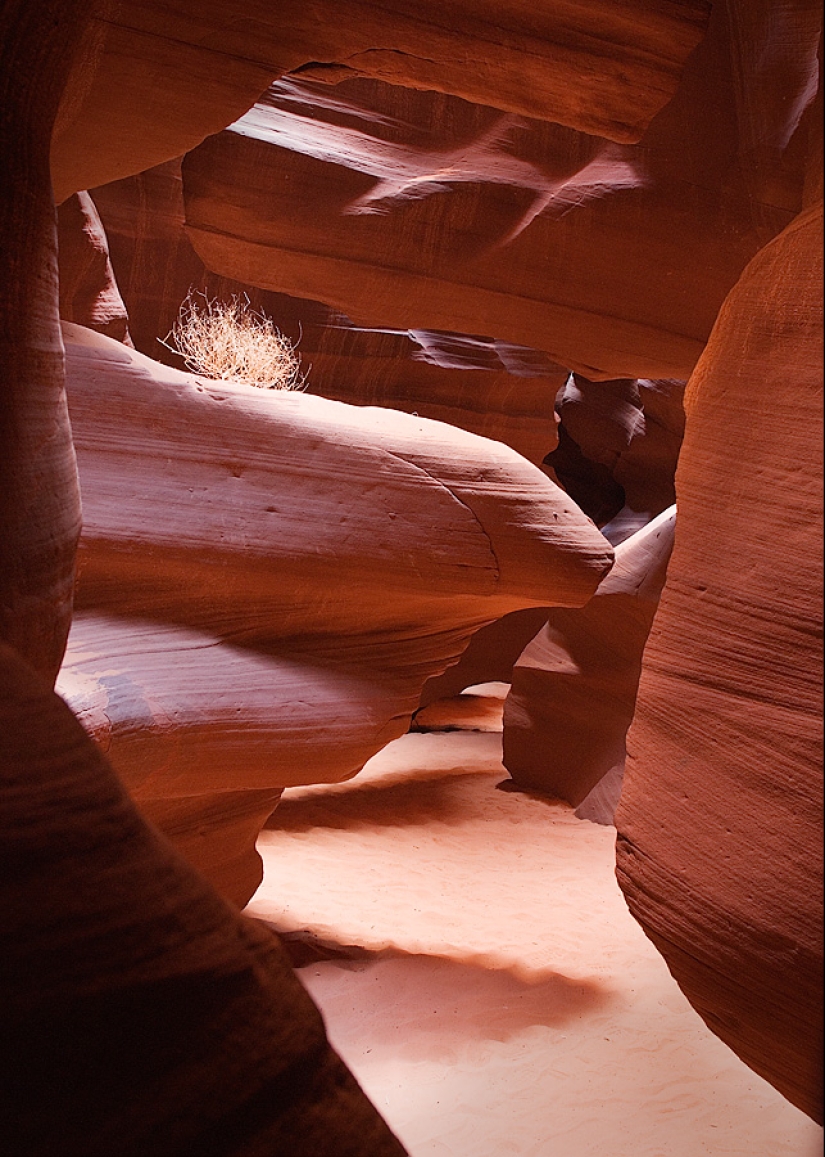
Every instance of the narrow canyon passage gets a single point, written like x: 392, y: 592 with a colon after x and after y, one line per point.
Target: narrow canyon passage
x: 386, y: 768
x: 480, y: 974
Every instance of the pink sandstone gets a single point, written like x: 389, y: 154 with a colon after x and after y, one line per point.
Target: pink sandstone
x: 267, y: 580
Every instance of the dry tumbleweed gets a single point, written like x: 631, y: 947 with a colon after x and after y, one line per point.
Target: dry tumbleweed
x: 233, y: 343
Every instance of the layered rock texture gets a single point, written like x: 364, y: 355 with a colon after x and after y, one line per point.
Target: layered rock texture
x: 89, y: 294
x: 136, y: 95
x: 720, y: 844
x: 574, y: 686
x: 141, y: 1014
x: 483, y: 385
x: 458, y: 206
x: 428, y: 211
x: 267, y: 579
x: 618, y: 448
x: 39, y: 496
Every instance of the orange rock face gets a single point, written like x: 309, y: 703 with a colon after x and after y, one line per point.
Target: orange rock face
x: 488, y: 387
x: 154, y: 81
x: 574, y: 686
x: 39, y: 498
x: 141, y: 1014
x: 267, y: 579
x: 413, y: 209
x: 628, y: 190
x: 88, y: 291
x: 720, y: 849
x: 618, y: 448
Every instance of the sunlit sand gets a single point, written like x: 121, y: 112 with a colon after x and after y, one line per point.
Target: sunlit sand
x: 479, y: 972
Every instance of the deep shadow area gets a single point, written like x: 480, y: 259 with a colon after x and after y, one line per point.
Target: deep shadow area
x: 398, y: 803
x: 445, y: 1002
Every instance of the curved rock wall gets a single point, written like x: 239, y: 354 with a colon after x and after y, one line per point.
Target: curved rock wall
x: 720, y: 823
x: 155, y: 78
x: 39, y: 499
x: 490, y: 388
x: 88, y: 291
x: 574, y: 686
x: 618, y: 448
x: 719, y: 828
x: 267, y: 580
x: 413, y: 209
x: 141, y: 1014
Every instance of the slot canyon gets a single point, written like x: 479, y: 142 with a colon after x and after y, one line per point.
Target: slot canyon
x: 425, y: 757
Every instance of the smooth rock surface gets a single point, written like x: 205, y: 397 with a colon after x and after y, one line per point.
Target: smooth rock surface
x: 267, y: 580
x: 39, y: 498
x: 720, y: 823
x: 414, y: 209
x: 141, y: 1014
x: 490, y: 388
x: 574, y: 687
x: 154, y: 79
x: 89, y: 294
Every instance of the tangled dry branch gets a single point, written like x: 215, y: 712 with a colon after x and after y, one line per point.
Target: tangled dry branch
x: 232, y: 342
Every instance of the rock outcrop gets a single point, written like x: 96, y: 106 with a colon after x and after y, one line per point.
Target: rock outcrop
x: 574, y: 687
x: 720, y: 823
x: 285, y: 573
x: 154, y: 80
x: 621, y: 476
x: 488, y: 387
x: 595, y: 182
x: 410, y: 209
x: 618, y: 448
x: 89, y: 294
x: 489, y: 655
x: 39, y: 498
x: 141, y: 1014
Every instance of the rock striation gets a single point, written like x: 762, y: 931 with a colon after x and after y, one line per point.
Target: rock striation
x: 89, y: 294
x: 488, y: 387
x: 267, y: 579
x: 574, y: 687
x: 39, y: 497
x: 411, y: 209
x: 629, y: 189
x: 153, y: 80
x: 618, y: 448
x: 141, y: 1014
x: 719, y: 848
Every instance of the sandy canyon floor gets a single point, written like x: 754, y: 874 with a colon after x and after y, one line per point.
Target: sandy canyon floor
x: 479, y: 972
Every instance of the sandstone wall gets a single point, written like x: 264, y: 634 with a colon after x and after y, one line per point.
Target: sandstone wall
x: 267, y: 580
x: 574, y: 686
x: 154, y: 79
x: 720, y: 849
x: 141, y: 1014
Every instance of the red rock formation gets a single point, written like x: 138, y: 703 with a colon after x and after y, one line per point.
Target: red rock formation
x: 156, y: 78
x: 490, y: 388
x: 631, y: 432
x: 416, y: 210
x: 720, y: 823
x: 153, y: 259
x: 141, y: 1014
x: 618, y: 449
x: 88, y: 291
x: 324, y: 560
x: 625, y: 285
x: 574, y: 688
x: 489, y: 656
x: 39, y: 500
